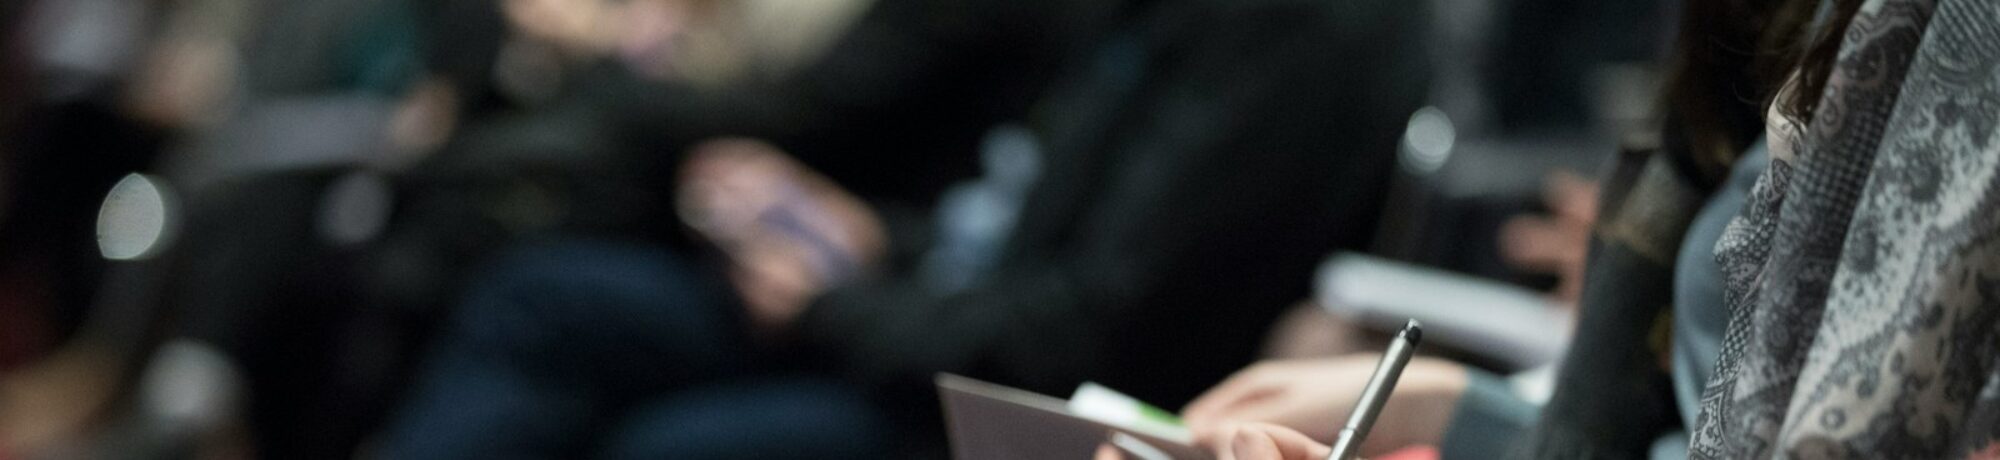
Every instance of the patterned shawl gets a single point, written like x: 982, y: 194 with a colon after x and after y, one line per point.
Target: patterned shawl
x: 1863, y: 277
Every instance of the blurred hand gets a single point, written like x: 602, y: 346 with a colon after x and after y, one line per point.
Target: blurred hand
x: 1990, y: 452
x: 790, y: 233
x: 774, y: 280
x: 185, y: 81
x: 579, y: 26
x: 1315, y: 397
x: 1309, y: 330
x: 55, y: 401
x: 1260, y: 441
x: 1556, y: 243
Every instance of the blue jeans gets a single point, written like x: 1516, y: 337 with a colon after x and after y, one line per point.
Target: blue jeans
x: 617, y: 350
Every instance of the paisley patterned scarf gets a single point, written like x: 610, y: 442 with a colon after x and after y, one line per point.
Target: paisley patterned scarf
x: 1863, y: 277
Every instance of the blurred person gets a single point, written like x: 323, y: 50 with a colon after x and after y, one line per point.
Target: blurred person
x: 298, y: 345
x: 243, y: 89
x: 1189, y: 155
x: 314, y: 199
x: 1466, y: 412
x: 1556, y: 243
x: 1782, y: 383
x: 702, y: 42
x: 1857, y: 280
x: 72, y: 132
x: 307, y: 121
x: 1651, y: 247
x: 895, y: 50
x: 69, y: 140
x: 1552, y: 243
x: 530, y: 53
x: 192, y: 72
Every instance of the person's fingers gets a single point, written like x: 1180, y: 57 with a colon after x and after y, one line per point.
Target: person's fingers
x: 1107, y: 452
x: 1309, y: 330
x: 1552, y: 243
x: 771, y: 279
x: 1533, y: 243
x: 759, y: 296
x: 1224, y: 446
x: 720, y: 203
x: 1571, y: 196
x: 741, y: 163
x: 1282, y: 408
x: 1250, y: 445
x: 728, y: 184
x: 1293, y: 444
x: 1227, y: 406
x: 711, y: 158
x: 1216, y: 429
x: 1257, y: 441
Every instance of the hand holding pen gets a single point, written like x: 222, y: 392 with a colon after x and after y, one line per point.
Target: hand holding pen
x: 1347, y: 444
x: 1314, y: 397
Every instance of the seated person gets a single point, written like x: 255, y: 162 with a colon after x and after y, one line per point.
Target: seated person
x: 1200, y: 151
x: 1776, y: 288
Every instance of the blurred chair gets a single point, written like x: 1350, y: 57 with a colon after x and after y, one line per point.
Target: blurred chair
x: 1464, y: 171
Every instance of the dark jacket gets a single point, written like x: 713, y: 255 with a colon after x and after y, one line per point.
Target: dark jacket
x: 1197, y: 163
x: 894, y: 110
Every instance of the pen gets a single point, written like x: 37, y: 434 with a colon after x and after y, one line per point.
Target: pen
x: 1376, y: 394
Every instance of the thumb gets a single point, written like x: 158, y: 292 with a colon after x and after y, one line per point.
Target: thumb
x: 1271, y: 442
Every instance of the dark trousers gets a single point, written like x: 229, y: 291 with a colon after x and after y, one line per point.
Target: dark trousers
x: 617, y: 350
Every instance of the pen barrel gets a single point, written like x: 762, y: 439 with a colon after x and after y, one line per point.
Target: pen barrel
x: 1373, y: 397
x: 1346, y: 446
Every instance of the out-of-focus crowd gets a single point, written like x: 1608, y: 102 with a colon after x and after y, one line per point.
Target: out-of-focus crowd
x: 759, y: 228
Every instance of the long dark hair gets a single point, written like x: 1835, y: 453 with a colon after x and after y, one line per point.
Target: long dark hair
x: 1815, y: 63
x: 1730, y: 59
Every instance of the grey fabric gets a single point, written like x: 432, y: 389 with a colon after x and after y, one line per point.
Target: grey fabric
x: 1699, y: 317
x: 1863, y: 278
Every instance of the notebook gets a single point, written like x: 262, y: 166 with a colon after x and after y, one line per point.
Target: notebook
x: 988, y: 421
x: 1496, y: 320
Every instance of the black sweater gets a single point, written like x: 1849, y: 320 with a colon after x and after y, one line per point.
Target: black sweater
x: 1198, y: 162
